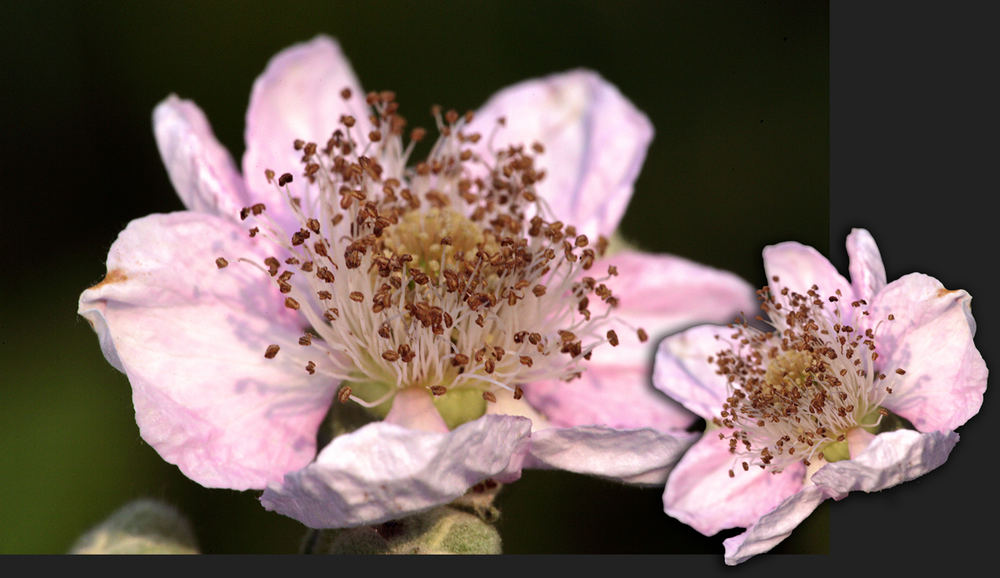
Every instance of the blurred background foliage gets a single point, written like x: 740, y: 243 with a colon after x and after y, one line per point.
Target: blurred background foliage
x: 737, y: 92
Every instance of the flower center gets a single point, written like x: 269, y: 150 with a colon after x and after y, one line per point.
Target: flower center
x: 433, y: 276
x: 796, y: 392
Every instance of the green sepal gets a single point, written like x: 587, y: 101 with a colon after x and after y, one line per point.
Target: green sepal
x: 442, y: 530
x: 460, y: 405
x: 836, y: 451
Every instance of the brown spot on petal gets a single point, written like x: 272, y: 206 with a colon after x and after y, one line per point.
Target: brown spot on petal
x: 943, y: 292
x: 113, y: 276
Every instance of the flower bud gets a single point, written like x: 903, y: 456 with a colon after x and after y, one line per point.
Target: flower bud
x: 139, y: 527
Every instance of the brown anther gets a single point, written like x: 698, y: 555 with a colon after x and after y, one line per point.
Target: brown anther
x: 345, y: 93
x: 269, y: 175
x: 612, y: 338
x: 291, y: 303
x: 305, y: 340
x: 643, y: 336
x: 538, y: 290
x: 488, y: 396
x: 900, y: 371
x: 221, y: 263
x: 525, y: 360
x: 518, y: 392
x: 311, y: 367
x: 285, y: 179
x: 272, y: 350
x: 438, y: 390
x: 344, y: 395
x: 357, y: 296
x: 390, y: 355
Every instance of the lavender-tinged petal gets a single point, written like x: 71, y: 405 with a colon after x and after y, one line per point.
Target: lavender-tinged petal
x: 774, y: 526
x: 384, y: 471
x: 636, y: 456
x: 298, y: 96
x: 191, y: 338
x: 865, y: 264
x: 798, y: 267
x: 663, y: 294
x: 595, y: 142
x: 682, y: 371
x: 890, y: 459
x: 701, y: 493
x: 931, y: 340
x: 201, y: 169
x: 619, y: 397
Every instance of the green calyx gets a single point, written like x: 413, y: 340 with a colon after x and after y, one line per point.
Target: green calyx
x: 442, y: 530
x: 836, y: 451
x: 460, y: 405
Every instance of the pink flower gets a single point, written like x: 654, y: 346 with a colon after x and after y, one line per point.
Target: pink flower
x: 812, y: 410
x: 443, y: 302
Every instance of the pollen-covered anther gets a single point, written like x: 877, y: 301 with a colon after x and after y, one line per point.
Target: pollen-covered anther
x: 455, y: 284
x: 794, y: 392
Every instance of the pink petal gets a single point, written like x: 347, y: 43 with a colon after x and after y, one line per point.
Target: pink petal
x: 297, y: 97
x: 663, y: 294
x: 618, y: 397
x: 701, y: 494
x: 201, y: 170
x: 191, y: 339
x: 774, y: 526
x: 636, y: 456
x: 891, y: 459
x: 595, y: 142
x: 799, y: 267
x: 931, y: 339
x: 867, y: 270
x: 383, y: 471
x: 682, y: 371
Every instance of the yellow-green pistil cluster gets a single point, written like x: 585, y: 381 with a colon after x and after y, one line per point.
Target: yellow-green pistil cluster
x: 449, y: 276
x: 794, y: 394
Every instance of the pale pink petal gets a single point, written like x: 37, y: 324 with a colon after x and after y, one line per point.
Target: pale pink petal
x: 774, y: 526
x: 414, y: 409
x: 619, y: 397
x: 383, y: 471
x: 798, y: 267
x: 682, y: 371
x: 191, y: 338
x: 201, y: 169
x: 701, y: 493
x: 636, y: 456
x: 663, y: 294
x: 867, y: 270
x: 297, y: 97
x: 595, y: 142
x: 892, y: 458
x: 931, y: 339
x: 858, y: 440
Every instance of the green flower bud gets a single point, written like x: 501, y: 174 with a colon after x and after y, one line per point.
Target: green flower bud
x: 443, y: 530
x: 139, y: 527
x: 460, y: 405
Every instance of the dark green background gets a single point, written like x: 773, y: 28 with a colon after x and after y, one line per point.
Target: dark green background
x: 737, y: 92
